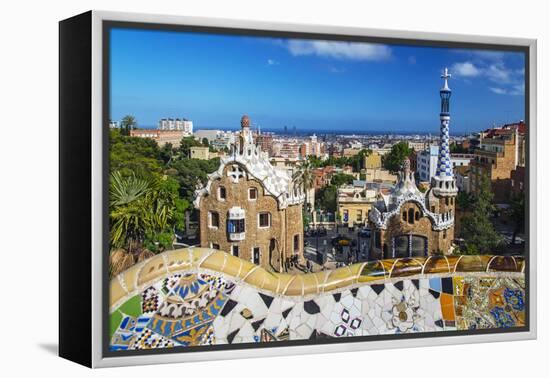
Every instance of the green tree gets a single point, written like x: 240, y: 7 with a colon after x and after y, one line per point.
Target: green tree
x: 517, y: 212
x: 358, y: 161
x: 340, y: 179
x: 394, y: 158
x: 326, y: 200
x: 456, y: 148
x: 191, y: 173
x: 186, y: 144
x: 134, y: 156
x: 127, y: 124
x: 168, y: 153
x: 144, y: 212
x: 465, y: 201
x: 304, y: 178
x: 479, y: 235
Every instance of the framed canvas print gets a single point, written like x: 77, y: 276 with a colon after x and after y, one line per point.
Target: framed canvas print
x: 235, y: 189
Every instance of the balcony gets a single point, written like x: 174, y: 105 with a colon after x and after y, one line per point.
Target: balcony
x: 236, y: 224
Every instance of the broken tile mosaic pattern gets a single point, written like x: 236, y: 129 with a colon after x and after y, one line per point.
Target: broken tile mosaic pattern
x: 193, y: 305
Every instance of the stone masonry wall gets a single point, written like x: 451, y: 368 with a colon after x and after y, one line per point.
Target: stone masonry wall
x: 284, y: 223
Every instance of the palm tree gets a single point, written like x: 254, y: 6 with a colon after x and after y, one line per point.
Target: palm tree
x: 127, y: 124
x: 138, y: 208
x: 304, y: 177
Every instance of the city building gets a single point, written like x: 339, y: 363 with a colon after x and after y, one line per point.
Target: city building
x: 350, y: 152
x: 417, y: 145
x: 462, y: 175
x: 373, y: 161
x: 311, y: 147
x: 265, y: 141
x: 353, y: 203
x: 407, y: 222
x: 287, y: 148
x: 381, y: 149
x: 217, y: 139
x: 413, y: 157
x: 461, y: 160
x: 162, y: 137
x: 496, y: 158
x: 379, y: 175
x: 201, y: 153
x: 250, y: 208
x: 517, y: 180
x: 322, y: 176
x: 172, y: 124
x: 426, y: 163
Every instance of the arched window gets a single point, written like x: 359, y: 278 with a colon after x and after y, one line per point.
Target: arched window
x: 411, y: 216
x: 385, y: 250
x: 417, y: 215
x: 404, y: 216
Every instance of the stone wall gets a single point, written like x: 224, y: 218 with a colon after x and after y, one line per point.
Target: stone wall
x: 193, y: 297
x: 439, y: 242
x: 284, y: 223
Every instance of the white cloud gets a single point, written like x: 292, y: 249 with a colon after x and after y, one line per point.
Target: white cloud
x: 336, y: 70
x: 516, y: 90
x: 505, y: 80
x: 466, y: 69
x: 499, y: 73
x: 340, y: 50
x: 500, y: 91
x: 272, y: 62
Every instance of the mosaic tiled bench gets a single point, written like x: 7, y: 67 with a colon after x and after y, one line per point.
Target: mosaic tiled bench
x: 200, y: 296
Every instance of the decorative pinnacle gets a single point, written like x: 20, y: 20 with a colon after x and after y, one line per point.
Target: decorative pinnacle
x: 446, y: 76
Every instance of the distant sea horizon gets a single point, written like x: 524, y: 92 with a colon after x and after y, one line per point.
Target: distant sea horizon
x: 307, y: 131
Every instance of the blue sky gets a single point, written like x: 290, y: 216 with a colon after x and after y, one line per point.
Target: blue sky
x: 312, y: 85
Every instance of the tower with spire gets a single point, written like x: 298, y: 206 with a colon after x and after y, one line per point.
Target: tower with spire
x: 443, y: 183
x: 409, y: 223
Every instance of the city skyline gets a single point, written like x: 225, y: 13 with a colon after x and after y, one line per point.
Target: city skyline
x: 311, y: 85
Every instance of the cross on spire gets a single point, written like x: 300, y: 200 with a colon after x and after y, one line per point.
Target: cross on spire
x: 446, y: 76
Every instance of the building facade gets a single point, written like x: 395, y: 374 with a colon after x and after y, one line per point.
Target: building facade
x: 407, y: 222
x: 176, y: 124
x: 251, y: 209
x: 162, y: 137
x: 496, y: 158
x: 200, y: 153
x: 517, y: 181
x: 372, y: 161
x: 354, y: 202
x: 461, y: 160
x: 426, y: 163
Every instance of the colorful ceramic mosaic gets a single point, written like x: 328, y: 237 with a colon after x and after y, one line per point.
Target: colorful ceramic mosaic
x: 159, y: 305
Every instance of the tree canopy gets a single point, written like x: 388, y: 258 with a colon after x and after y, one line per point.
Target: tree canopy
x: 340, y: 179
x: 127, y: 124
x: 478, y: 232
x: 394, y: 159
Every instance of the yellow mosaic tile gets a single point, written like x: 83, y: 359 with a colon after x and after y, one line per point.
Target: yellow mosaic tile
x: 148, y: 271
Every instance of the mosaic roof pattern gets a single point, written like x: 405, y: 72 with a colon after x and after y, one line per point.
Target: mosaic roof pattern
x: 276, y: 182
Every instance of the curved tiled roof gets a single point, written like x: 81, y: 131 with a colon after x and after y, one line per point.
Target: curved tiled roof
x: 276, y: 182
x: 144, y: 274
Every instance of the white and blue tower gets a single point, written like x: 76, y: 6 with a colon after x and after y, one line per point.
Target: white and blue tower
x: 443, y: 183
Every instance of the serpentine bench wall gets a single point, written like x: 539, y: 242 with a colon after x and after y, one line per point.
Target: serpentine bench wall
x: 201, y: 296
